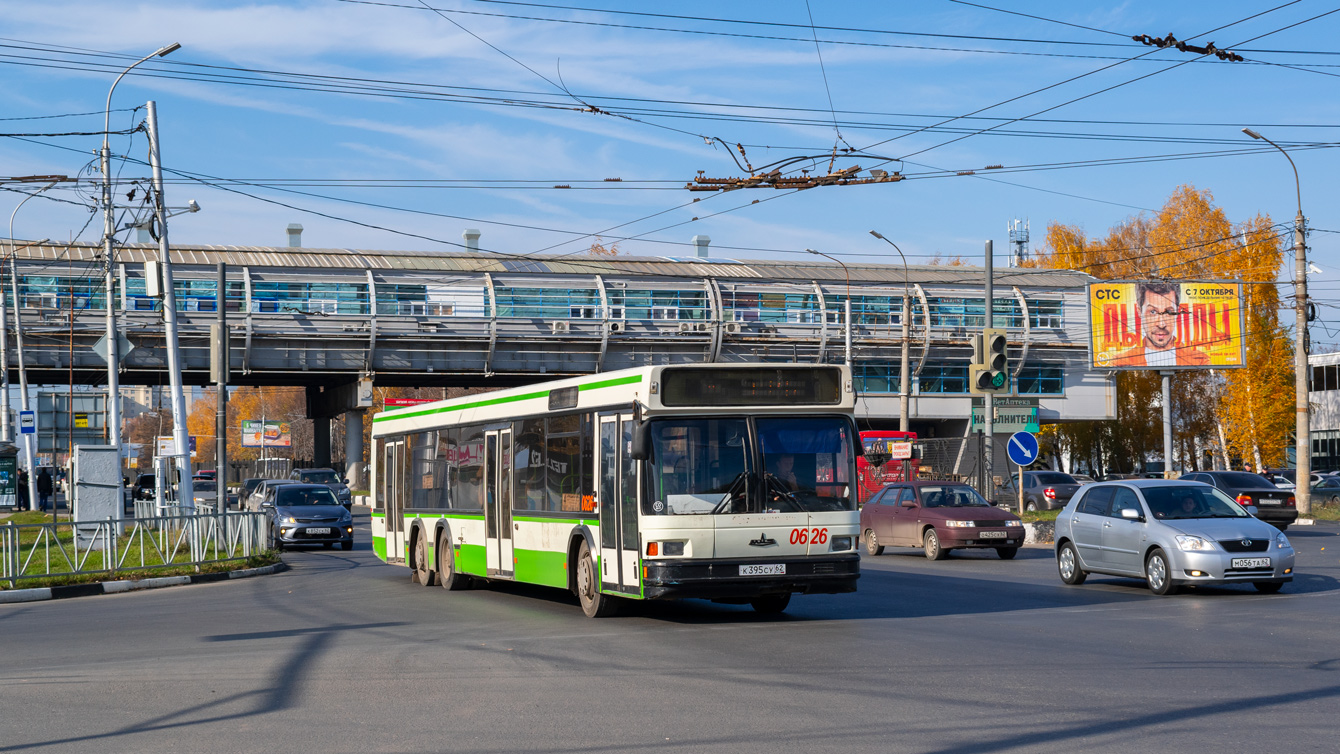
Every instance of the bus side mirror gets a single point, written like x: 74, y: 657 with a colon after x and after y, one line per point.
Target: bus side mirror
x: 641, y: 449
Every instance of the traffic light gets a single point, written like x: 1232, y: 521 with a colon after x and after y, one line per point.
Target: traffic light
x: 987, y: 374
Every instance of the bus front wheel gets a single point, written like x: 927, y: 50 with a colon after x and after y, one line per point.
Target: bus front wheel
x: 771, y: 604
x: 422, y: 573
x: 594, y: 604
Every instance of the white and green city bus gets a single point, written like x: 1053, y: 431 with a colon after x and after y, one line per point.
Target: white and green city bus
x: 733, y: 483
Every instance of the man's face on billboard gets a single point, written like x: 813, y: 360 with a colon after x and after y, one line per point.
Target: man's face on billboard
x: 1158, y: 316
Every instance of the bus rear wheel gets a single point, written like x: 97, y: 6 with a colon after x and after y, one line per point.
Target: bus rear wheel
x: 594, y: 604
x: 771, y: 604
x: 447, y: 575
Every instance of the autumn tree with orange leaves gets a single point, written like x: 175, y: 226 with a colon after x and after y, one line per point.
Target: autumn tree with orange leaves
x: 1236, y: 412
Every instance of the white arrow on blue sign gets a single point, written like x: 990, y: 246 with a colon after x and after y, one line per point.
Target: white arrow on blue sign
x: 27, y: 422
x: 1022, y: 448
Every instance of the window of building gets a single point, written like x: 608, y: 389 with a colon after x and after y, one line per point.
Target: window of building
x: 1042, y: 379
x: 942, y: 379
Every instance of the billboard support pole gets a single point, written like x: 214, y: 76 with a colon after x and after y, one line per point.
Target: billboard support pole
x: 1167, y: 425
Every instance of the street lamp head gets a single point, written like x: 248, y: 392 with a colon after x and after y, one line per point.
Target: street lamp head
x: 1251, y: 133
x: 168, y: 50
x: 192, y: 206
x: 876, y: 234
x: 812, y: 251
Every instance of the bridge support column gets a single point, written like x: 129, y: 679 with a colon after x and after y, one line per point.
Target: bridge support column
x: 321, y: 442
x: 353, y: 449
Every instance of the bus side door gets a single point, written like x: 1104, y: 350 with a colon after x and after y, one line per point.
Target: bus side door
x: 498, y: 502
x: 392, y: 473
x: 620, y: 545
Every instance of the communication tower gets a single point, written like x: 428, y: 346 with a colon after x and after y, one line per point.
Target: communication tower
x: 1018, y: 241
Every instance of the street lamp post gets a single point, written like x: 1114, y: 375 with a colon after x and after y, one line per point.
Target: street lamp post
x: 18, y: 348
x: 846, y: 306
x: 904, y: 368
x: 108, y: 233
x: 1302, y: 431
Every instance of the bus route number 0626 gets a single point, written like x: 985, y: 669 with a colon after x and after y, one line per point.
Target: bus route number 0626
x: 805, y: 536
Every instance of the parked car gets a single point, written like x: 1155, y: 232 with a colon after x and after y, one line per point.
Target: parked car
x: 1273, y: 505
x: 329, y: 478
x: 249, y: 486
x: 938, y: 517
x: 1326, y: 491
x: 263, y: 490
x: 1083, y: 479
x: 1043, y: 490
x: 1170, y: 533
x: 206, y: 474
x: 1115, y: 477
x: 306, y: 514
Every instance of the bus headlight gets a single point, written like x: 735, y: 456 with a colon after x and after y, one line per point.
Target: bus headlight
x: 841, y: 543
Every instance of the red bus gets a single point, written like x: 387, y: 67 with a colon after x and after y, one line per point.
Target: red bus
x: 884, y: 443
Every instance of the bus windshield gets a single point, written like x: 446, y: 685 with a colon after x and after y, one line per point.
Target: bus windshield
x: 708, y: 466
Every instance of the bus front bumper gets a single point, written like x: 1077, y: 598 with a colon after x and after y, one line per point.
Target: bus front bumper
x: 730, y: 578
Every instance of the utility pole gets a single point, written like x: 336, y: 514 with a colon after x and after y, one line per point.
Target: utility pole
x: 1302, y: 430
x: 179, y: 434
x: 988, y: 399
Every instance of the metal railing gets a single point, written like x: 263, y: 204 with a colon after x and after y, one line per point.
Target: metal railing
x: 67, y: 548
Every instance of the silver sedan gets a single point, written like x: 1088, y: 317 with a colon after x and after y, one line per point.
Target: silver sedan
x: 1170, y: 534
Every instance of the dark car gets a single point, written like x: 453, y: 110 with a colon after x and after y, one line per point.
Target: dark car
x: 1043, y: 490
x: 327, y: 477
x: 1273, y: 505
x: 249, y: 486
x: 1326, y: 491
x: 308, y: 514
x: 143, y: 488
x: 937, y: 517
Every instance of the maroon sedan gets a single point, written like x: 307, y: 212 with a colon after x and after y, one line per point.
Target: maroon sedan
x: 938, y: 517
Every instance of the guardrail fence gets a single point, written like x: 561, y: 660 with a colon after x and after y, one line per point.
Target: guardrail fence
x: 180, y: 537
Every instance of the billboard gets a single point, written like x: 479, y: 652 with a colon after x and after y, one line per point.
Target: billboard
x: 1166, y: 325
x: 271, y: 435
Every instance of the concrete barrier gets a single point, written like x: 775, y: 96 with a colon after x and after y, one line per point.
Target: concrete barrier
x: 1039, y: 533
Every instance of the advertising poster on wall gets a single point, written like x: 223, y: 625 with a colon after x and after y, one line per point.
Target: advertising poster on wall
x: 1166, y: 325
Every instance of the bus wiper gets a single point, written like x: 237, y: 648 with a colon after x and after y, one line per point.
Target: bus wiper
x: 730, y: 493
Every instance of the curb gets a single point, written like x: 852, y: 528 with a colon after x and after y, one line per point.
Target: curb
x: 129, y: 585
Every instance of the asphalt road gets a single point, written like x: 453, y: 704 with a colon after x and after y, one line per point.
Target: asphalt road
x: 971, y: 655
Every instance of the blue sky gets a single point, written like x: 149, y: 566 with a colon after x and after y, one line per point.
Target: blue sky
x: 891, y: 68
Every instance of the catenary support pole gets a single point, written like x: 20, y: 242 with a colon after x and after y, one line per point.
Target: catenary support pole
x: 178, y: 397
x: 221, y: 400
x: 988, y: 404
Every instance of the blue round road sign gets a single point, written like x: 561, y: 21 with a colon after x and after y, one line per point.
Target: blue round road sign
x: 1022, y: 448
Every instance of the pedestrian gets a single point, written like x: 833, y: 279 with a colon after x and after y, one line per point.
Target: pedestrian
x: 44, y: 488
x: 1247, y: 467
x: 24, y: 502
